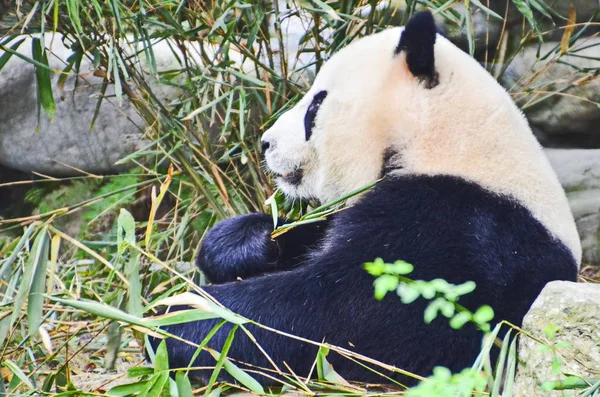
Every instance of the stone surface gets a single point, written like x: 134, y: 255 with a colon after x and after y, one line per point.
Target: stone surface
x: 66, y: 143
x: 579, y: 173
x: 577, y: 169
x: 574, y: 309
x: 558, y: 99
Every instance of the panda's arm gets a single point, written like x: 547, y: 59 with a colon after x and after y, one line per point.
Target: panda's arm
x: 241, y: 247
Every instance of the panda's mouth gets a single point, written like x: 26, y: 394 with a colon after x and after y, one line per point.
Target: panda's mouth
x: 293, y: 178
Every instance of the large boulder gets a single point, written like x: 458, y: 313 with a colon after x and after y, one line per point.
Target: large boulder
x: 579, y: 173
x: 67, y: 144
x: 566, y: 317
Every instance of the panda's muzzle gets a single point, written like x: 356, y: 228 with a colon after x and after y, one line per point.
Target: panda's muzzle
x: 293, y: 178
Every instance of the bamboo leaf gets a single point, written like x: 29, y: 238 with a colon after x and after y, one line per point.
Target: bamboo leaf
x: 206, y: 106
x: 161, y: 360
x: 232, y: 369
x: 221, y: 21
x: 54, y: 250
x: 8, y: 54
x: 126, y: 226
x: 127, y: 390
x: 4, y: 328
x: 325, y: 370
x: 14, y: 368
x: 102, y: 310
x: 113, y: 343
x: 28, y: 275
x: 221, y: 358
x: 525, y: 10
x: 164, y: 187
x: 203, y: 306
x: 35, y: 304
x: 592, y: 390
x: 114, y: 6
x: 542, y: 8
x: 247, y: 78
x: 184, y: 387
x: 243, y: 377
x: 74, y: 59
x: 73, y: 11
x: 488, y: 343
x: 500, y: 365
x: 156, y: 385
x: 569, y: 29
x: 486, y: 10
x: 511, y: 368
x: 136, y: 372
x: 470, y: 31
x: 327, y: 10
x: 8, y: 262
x: 42, y: 75
x: 134, y: 292
x: 46, y: 339
x: 272, y: 203
x: 206, y: 339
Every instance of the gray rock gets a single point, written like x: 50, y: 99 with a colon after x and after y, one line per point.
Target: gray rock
x: 577, y: 169
x: 559, y: 94
x: 579, y: 173
x: 574, y: 310
x: 67, y: 143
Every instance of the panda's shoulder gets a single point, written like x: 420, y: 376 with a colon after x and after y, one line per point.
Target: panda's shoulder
x: 441, y: 204
x: 419, y: 195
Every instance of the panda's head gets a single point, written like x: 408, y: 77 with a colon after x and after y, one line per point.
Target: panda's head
x: 340, y: 135
x: 407, y: 101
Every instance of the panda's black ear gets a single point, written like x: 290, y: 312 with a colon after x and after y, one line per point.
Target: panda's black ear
x: 417, y: 42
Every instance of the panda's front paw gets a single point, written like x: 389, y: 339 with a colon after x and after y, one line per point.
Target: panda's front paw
x: 239, y: 247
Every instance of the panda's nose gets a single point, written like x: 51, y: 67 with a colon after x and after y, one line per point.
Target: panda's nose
x: 264, y: 146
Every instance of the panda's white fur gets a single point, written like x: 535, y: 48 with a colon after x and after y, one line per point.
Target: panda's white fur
x: 466, y: 126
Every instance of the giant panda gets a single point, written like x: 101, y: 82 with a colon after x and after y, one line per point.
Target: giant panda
x: 465, y: 194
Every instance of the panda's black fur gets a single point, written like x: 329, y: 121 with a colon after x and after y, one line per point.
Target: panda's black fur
x: 242, y: 247
x: 446, y: 227
x: 310, y: 282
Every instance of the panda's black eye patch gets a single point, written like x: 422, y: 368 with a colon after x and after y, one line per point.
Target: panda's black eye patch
x: 311, y: 113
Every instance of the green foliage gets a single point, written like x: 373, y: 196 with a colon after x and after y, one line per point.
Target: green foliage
x: 115, y: 193
x: 444, y: 296
x: 48, y: 199
x: 443, y: 383
x: 444, y: 299
x: 96, y: 201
